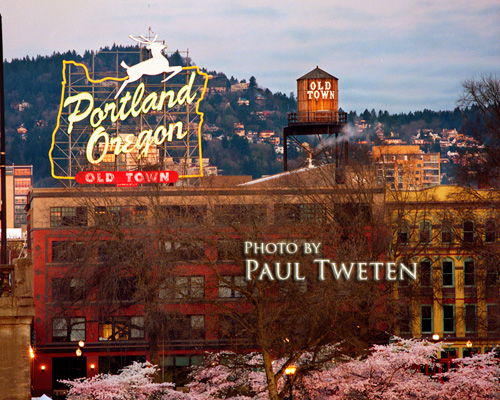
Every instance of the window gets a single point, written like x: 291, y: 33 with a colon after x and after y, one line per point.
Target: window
x: 68, y: 329
x: 425, y: 273
x: 120, y: 215
x: 404, y: 232
x: 491, y: 264
x: 490, y: 231
x: 65, y: 251
x: 68, y: 216
x: 230, y: 329
x: 426, y: 319
x: 21, y: 200
x: 448, y: 353
x: 239, y: 214
x: 195, y: 251
x: 346, y: 213
x: 230, y: 289
x: 185, y: 287
x: 469, y: 273
x: 470, y: 318
x: 22, y: 186
x: 22, y: 171
x: 178, y: 368
x: 121, y: 328
x: 470, y: 352
x: 448, y: 318
x: 137, y: 328
x: 448, y: 273
x: 185, y: 327
x: 425, y: 231
x: 405, y: 319
x: 182, y: 214
x: 492, y: 318
x: 299, y: 213
x: 119, y: 251
x: 119, y: 288
x: 446, y: 231
x: 468, y: 229
x: 67, y: 289
x: 229, y: 251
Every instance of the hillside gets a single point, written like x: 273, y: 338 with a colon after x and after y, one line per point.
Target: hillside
x: 232, y: 107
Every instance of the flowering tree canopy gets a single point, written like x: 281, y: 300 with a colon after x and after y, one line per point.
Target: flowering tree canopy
x: 388, y: 372
x: 134, y: 382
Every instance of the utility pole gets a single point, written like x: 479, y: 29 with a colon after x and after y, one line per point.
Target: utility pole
x: 2, y: 155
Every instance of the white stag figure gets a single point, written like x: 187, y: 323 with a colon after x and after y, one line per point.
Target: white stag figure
x: 156, y: 65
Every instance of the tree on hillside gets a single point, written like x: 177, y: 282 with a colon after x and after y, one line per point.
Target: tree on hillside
x: 481, y: 98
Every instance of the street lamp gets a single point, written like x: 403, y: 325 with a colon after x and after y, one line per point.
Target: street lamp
x: 81, y: 344
x: 435, y: 337
x: 469, y: 344
x: 290, y: 371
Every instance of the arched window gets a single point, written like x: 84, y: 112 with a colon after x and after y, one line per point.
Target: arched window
x: 425, y: 231
x: 469, y: 272
x: 490, y: 231
x: 468, y: 228
x: 448, y: 272
x: 404, y: 232
x: 426, y: 272
x: 446, y: 231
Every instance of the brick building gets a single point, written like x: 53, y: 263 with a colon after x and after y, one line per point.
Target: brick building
x: 83, y: 240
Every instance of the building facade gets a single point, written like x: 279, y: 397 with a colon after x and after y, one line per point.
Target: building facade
x: 150, y: 273
x: 154, y: 273
x: 452, y: 233
x: 404, y: 167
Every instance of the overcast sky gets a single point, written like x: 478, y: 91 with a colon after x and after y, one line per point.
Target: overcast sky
x: 399, y: 56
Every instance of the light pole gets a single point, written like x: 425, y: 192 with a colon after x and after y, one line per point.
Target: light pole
x: 290, y: 371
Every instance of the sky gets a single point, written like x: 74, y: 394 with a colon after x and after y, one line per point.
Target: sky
x: 394, y: 55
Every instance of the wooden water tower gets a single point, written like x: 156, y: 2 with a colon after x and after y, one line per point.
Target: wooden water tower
x: 317, y: 111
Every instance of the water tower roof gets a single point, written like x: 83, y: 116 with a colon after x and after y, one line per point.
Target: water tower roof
x: 317, y: 73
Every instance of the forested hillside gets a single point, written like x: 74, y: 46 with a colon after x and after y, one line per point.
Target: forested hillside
x: 33, y: 88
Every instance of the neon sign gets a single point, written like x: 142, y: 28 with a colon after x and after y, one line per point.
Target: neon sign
x: 83, y: 110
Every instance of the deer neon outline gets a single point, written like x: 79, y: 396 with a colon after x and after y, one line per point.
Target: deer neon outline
x: 156, y: 65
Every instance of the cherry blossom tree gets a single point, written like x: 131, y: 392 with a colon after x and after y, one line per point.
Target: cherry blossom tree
x: 134, y: 382
x: 228, y: 375
x: 477, y: 378
x: 387, y: 372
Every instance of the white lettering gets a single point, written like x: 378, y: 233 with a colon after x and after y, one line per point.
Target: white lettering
x: 250, y: 266
x: 75, y: 116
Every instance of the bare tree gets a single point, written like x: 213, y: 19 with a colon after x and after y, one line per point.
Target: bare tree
x: 481, y: 99
x: 160, y: 251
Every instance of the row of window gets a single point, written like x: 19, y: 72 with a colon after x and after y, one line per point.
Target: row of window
x: 469, y: 273
x: 447, y: 235
x: 449, y: 319
x: 180, y: 287
x: 127, y: 328
x: 112, y: 251
x: 177, y: 327
x: 228, y: 214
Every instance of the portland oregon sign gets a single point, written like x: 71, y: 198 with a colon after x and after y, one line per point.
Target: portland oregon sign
x: 129, y: 118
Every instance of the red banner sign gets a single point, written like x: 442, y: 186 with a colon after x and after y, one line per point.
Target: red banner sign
x: 126, y: 178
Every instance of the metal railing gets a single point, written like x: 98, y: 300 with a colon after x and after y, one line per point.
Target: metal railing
x: 317, y: 117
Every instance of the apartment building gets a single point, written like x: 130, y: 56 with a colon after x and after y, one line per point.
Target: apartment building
x: 404, y: 167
